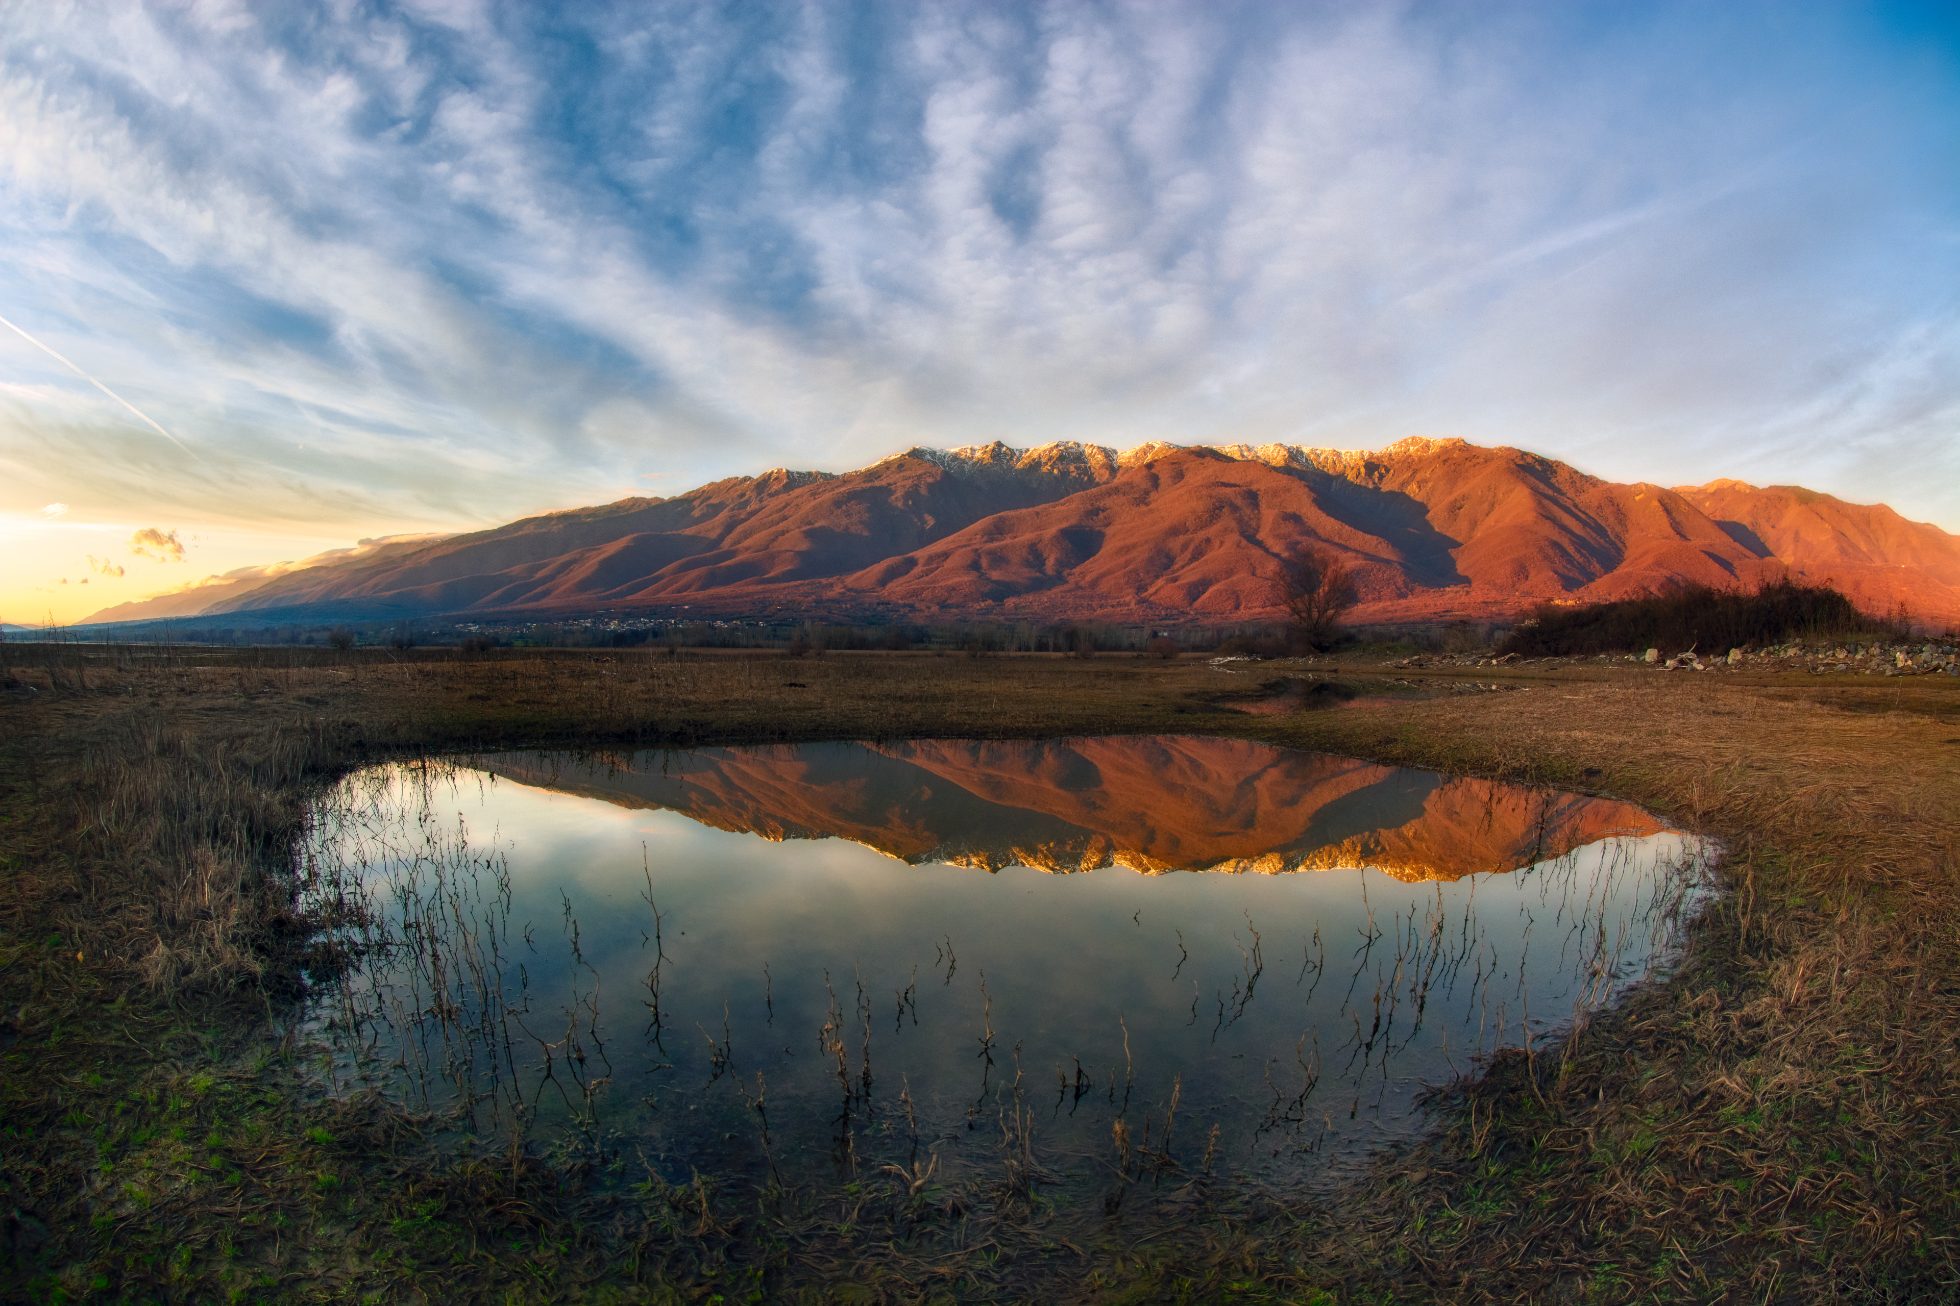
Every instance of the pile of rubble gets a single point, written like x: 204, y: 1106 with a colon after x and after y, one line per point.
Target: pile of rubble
x: 1878, y: 658
x: 1417, y: 661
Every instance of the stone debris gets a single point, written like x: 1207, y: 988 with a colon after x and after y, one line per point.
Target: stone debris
x: 1877, y: 658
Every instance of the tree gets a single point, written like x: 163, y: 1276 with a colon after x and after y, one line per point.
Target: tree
x: 1316, y: 587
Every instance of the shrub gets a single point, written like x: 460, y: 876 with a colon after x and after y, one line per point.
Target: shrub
x: 1690, y: 616
x: 1255, y: 644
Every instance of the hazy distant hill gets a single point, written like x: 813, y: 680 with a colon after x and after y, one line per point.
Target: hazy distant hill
x: 1433, y: 528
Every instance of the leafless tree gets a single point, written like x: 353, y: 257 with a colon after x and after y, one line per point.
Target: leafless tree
x: 1316, y: 587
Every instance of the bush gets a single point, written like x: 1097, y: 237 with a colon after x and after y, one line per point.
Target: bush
x: 1690, y: 616
x: 807, y: 640
x: 1254, y: 644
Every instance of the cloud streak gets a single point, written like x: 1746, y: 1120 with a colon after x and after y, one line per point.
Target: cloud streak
x: 76, y: 368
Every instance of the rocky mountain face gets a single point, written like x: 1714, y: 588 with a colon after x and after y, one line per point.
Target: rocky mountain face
x: 1870, y: 552
x: 1159, y: 533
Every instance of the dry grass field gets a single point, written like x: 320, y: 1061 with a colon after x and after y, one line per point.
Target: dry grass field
x: 1779, y: 1120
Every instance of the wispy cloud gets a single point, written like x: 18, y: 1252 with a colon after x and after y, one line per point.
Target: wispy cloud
x: 430, y: 264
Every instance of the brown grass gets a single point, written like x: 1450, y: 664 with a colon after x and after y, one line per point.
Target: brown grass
x: 1780, y: 1120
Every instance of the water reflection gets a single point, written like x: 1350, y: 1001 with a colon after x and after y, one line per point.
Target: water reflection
x: 600, y: 949
x: 1152, y: 804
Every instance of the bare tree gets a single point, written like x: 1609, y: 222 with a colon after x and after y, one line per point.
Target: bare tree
x: 1316, y: 587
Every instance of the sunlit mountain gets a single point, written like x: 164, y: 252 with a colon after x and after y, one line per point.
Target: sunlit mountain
x: 1431, y: 528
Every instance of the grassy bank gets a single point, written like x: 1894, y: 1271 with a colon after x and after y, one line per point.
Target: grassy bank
x: 1779, y: 1120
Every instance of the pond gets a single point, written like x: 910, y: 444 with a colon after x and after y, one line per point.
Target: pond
x: 1073, y: 962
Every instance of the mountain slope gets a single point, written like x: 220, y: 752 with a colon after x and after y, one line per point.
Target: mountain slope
x: 233, y: 589
x: 1161, y: 533
x: 1428, y: 527
x: 1875, y: 556
x: 737, y: 535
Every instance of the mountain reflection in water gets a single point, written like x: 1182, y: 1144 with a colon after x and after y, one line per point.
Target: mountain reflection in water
x: 1149, y: 803
x: 598, y: 951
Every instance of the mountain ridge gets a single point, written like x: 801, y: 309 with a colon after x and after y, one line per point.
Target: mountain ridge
x: 1433, y: 528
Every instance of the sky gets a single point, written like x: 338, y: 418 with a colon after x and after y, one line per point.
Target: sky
x: 278, y: 278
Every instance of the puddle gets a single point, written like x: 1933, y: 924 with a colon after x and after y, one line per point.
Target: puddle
x: 819, y: 959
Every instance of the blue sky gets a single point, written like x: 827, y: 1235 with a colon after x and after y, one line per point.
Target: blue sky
x: 281, y: 277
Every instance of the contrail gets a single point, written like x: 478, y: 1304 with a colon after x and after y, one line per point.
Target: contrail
x: 68, y: 363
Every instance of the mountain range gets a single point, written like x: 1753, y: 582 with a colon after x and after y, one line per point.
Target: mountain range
x: 1432, y: 529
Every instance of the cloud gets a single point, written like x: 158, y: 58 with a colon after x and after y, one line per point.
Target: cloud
x: 163, y: 546
x: 104, y: 567
x: 473, y: 261
x: 53, y: 510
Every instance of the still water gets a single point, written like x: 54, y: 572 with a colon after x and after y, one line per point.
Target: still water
x: 1074, y: 962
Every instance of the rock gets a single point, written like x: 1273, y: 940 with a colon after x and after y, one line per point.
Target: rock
x: 1735, y: 657
x: 1652, y: 655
